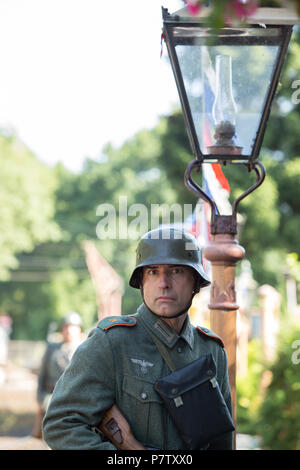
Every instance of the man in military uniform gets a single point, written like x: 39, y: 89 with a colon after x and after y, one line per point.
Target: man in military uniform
x: 119, y: 362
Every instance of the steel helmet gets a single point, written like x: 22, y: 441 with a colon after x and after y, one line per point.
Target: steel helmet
x: 169, y: 246
x: 72, y: 318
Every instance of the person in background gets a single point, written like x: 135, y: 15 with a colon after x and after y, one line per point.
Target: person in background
x: 54, y: 362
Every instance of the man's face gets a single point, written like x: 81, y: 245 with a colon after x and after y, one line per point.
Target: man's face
x: 71, y: 333
x: 167, y: 288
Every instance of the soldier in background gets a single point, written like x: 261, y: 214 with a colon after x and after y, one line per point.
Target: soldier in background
x: 55, y: 360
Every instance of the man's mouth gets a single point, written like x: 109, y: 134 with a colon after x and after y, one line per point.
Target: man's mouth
x: 164, y: 298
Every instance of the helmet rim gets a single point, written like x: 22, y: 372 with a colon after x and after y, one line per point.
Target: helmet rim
x: 162, y: 251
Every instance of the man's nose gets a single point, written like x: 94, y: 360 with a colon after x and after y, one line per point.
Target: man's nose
x: 164, y: 280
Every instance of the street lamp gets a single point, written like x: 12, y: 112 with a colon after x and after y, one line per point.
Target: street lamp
x: 226, y: 80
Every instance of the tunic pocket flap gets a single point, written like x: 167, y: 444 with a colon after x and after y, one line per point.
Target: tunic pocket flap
x: 142, y: 390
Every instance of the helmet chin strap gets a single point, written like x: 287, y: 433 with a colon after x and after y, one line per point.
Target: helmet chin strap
x: 176, y: 315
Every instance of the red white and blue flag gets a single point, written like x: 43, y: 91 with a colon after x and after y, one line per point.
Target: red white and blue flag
x: 214, y: 182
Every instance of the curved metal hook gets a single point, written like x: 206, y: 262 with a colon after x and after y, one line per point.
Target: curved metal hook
x: 260, y: 176
x: 194, y: 187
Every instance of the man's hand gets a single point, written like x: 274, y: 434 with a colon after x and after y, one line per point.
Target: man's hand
x: 115, y: 426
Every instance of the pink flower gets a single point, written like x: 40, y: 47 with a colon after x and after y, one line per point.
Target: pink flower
x: 193, y: 6
x: 243, y: 9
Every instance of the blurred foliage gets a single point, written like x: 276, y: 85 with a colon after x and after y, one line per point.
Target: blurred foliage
x: 278, y: 422
x: 268, y: 395
x: 27, y: 209
x: 248, y: 399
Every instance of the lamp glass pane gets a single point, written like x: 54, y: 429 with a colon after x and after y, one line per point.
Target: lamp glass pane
x: 253, y: 53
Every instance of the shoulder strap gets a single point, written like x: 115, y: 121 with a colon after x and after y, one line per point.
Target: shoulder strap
x: 110, y: 322
x: 160, y: 346
x: 210, y: 334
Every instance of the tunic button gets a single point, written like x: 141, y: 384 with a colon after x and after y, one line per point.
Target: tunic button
x: 179, y: 349
x: 144, y: 395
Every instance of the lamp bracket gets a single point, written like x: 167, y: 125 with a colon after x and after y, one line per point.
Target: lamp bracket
x: 223, y: 223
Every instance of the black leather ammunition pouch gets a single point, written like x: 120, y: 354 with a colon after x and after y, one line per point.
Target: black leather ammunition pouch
x: 194, y: 400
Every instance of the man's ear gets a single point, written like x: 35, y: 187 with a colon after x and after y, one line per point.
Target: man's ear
x: 140, y: 277
x: 196, y: 285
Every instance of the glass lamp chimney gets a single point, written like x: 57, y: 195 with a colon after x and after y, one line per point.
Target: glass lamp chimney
x: 224, y: 108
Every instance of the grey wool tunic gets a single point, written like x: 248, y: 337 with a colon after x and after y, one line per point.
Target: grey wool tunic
x: 118, y: 364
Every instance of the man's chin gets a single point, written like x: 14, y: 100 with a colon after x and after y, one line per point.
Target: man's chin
x: 165, y: 310
x: 166, y: 313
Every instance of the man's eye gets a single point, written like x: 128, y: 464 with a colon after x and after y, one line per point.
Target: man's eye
x: 176, y: 270
x: 152, y: 271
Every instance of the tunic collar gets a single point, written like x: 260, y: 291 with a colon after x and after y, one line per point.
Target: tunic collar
x: 165, y: 332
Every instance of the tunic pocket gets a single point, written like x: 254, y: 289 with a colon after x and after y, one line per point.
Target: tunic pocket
x: 142, y: 406
x: 140, y: 389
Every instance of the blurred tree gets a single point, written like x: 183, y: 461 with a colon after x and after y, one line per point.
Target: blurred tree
x: 279, y: 417
x: 248, y: 400
x: 27, y: 208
